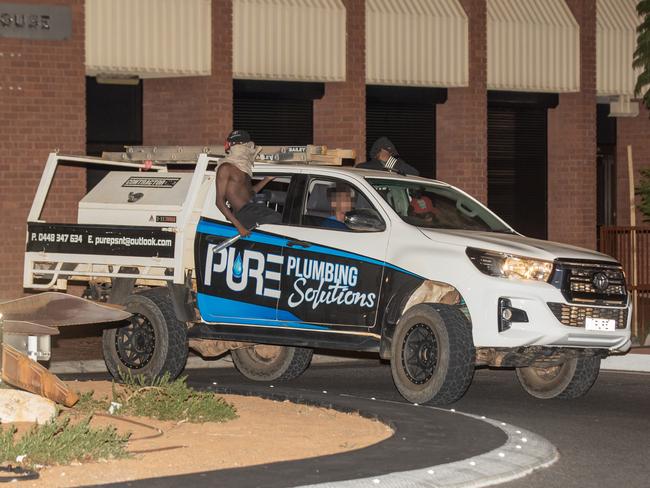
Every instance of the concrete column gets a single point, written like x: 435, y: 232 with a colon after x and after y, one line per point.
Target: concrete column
x: 572, y: 164
x: 194, y: 110
x: 462, y: 121
x: 340, y: 116
x: 42, y: 108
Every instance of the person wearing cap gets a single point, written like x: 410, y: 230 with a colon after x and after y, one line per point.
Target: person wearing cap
x: 234, y: 185
x: 384, y: 157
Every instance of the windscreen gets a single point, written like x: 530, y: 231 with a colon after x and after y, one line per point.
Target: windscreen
x: 436, y: 206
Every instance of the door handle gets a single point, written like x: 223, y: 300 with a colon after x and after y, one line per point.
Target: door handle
x: 293, y: 243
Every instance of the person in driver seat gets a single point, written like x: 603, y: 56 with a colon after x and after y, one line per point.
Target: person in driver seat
x: 341, y: 201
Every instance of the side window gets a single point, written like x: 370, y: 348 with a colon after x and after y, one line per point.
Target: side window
x: 329, y: 201
x: 273, y: 191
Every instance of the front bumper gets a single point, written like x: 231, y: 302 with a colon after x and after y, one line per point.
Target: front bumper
x: 552, y: 321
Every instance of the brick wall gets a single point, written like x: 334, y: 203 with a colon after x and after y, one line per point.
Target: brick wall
x: 42, y: 107
x: 340, y: 116
x: 572, y: 145
x: 462, y: 121
x: 194, y: 110
x: 634, y: 131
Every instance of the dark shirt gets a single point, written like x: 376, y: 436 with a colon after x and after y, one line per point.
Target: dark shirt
x: 400, y: 167
x: 332, y: 223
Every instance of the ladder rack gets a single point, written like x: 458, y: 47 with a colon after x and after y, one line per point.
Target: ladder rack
x: 308, y: 154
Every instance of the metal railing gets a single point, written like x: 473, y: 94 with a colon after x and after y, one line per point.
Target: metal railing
x: 631, y: 247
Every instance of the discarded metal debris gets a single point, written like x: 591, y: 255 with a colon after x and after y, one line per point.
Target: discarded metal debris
x: 26, y: 325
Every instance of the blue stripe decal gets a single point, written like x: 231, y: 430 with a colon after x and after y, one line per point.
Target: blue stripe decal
x: 227, y: 231
x: 216, y: 309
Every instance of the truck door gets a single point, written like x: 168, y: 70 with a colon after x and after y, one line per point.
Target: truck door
x: 332, y: 275
x: 240, y: 284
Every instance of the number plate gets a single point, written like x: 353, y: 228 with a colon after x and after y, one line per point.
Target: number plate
x: 599, y: 324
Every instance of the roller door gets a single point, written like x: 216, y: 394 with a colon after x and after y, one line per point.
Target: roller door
x: 276, y: 113
x: 518, y: 165
x: 113, y: 120
x: 407, y: 116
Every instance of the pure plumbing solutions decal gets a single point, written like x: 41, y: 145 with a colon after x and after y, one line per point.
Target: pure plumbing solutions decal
x: 308, y: 285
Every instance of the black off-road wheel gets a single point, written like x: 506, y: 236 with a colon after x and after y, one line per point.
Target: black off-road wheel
x: 569, y: 380
x: 271, y: 363
x: 433, y: 354
x: 153, y: 342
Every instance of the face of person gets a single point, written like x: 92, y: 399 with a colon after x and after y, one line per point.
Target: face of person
x: 383, y: 155
x: 342, y: 202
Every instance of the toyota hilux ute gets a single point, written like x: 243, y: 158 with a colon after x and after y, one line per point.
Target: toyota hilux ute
x: 413, y: 269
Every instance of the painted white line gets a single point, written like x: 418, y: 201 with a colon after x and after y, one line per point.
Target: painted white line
x: 523, y: 453
x: 630, y: 362
x: 193, y: 362
x: 627, y: 362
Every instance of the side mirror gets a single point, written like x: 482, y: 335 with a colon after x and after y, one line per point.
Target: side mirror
x: 364, y: 220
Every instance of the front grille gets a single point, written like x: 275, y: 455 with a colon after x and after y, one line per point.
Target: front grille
x: 573, y: 316
x: 577, y: 281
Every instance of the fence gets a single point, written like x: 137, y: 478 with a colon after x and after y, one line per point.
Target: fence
x: 621, y: 243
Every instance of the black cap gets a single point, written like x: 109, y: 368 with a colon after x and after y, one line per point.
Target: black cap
x: 238, y: 137
x: 382, y: 143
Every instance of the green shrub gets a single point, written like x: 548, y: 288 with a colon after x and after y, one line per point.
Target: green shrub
x: 62, y: 442
x: 163, y: 399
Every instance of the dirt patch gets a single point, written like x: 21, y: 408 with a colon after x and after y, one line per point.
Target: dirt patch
x: 265, y: 432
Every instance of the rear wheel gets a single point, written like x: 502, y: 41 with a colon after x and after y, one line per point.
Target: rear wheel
x: 271, y: 363
x: 432, y: 354
x: 571, y: 379
x: 153, y: 342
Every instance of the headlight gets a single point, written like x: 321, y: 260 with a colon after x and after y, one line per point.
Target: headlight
x: 509, y: 266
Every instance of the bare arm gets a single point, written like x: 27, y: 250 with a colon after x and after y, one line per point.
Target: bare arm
x: 222, y: 180
x: 261, y: 184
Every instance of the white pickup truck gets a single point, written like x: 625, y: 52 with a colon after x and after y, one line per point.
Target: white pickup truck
x: 410, y: 268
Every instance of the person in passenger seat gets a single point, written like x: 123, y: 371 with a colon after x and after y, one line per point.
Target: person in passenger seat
x: 341, y: 202
x: 235, y: 191
x: 422, y: 207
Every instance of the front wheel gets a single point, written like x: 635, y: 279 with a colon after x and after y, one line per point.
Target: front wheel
x: 268, y: 363
x: 571, y: 379
x: 152, y: 343
x: 433, y: 354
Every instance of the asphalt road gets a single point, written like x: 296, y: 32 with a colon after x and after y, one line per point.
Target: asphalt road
x: 603, y: 438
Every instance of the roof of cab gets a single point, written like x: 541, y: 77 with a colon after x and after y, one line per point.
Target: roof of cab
x: 350, y: 170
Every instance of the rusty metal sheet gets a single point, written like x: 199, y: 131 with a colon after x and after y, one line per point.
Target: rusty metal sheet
x: 18, y: 370
x: 21, y: 327
x: 54, y: 309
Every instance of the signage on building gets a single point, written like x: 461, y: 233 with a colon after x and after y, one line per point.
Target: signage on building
x: 37, y: 22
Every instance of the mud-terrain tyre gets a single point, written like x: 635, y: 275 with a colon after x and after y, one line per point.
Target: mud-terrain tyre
x: 153, y: 342
x: 271, y: 363
x: 569, y: 380
x: 433, y: 354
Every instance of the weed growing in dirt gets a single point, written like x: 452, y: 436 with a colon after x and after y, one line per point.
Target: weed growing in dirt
x: 61, y: 442
x: 88, y: 405
x: 164, y: 399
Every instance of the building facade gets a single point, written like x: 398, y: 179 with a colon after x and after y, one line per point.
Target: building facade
x: 526, y: 104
